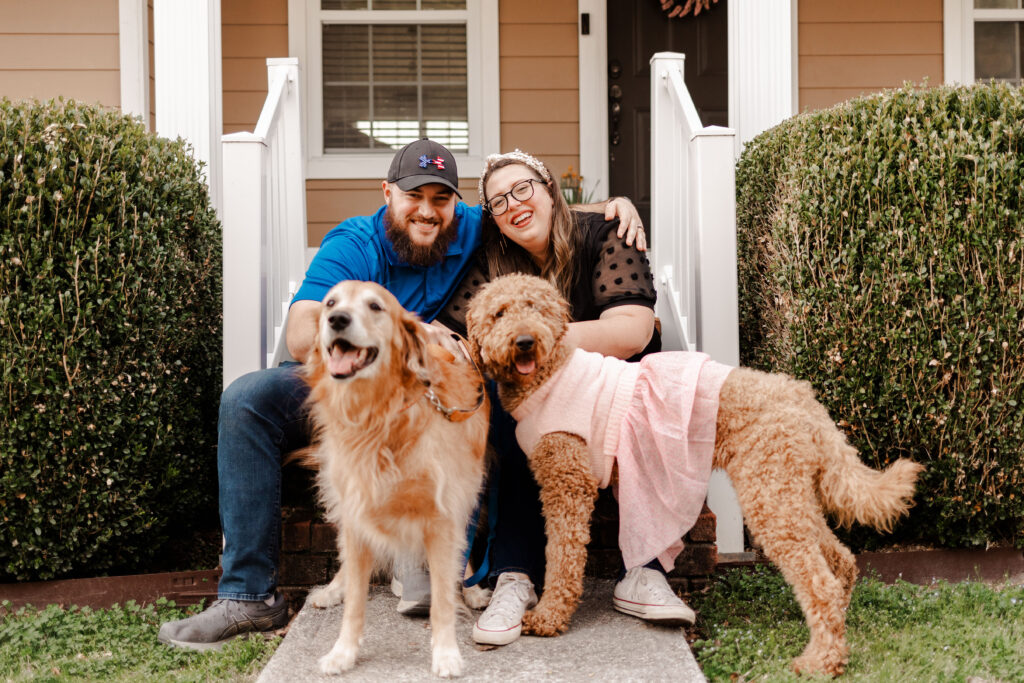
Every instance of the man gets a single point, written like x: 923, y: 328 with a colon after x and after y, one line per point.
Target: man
x: 418, y: 245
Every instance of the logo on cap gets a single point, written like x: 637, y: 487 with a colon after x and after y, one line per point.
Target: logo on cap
x: 438, y: 162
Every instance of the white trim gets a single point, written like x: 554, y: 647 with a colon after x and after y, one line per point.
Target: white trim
x: 957, y: 42
x: 794, y: 11
x: 593, y: 98
x: 133, y: 43
x: 483, y: 104
x: 761, y: 56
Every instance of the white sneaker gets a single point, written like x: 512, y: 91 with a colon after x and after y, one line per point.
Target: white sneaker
x: 502, y: 621
x: 645, y: 593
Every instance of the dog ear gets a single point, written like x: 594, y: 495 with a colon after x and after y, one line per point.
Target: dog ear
x: 414, y: 346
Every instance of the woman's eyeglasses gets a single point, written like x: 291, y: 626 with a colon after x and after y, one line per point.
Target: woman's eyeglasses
x: 522, y: 191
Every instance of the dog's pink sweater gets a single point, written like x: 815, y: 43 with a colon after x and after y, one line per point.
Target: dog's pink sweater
x: 656, y: 419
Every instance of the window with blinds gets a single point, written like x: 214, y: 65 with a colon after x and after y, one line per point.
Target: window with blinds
x: 386, y: 84
x: 998, y: 35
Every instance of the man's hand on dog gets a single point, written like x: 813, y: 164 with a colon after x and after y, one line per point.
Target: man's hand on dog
x: 439, y: 334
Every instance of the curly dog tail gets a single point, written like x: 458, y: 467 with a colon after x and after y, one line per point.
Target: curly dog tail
x: 852, y: 491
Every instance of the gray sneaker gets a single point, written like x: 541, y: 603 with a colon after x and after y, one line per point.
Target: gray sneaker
x: 412, y: 586
x: 224, y: 620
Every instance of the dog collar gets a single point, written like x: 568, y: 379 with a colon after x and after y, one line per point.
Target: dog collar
x: 450, y: 413
x: 456, y: 414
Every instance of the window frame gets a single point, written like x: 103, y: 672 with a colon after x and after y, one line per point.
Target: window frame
x: 959, y: 17
x: 305, y: 19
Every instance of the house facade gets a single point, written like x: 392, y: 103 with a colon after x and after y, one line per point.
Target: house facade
x: 567, y: 80
x: 488, y: 75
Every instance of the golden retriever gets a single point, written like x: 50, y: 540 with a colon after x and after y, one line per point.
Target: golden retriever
x: 786, y: 458
x: 400, y: 432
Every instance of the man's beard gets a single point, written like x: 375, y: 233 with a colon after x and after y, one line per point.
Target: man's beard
x: 397, y: 232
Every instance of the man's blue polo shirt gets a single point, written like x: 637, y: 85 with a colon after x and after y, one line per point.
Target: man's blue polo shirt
x: 357, y: 249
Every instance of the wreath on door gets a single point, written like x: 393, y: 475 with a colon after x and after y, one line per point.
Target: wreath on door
x: 675, y: 8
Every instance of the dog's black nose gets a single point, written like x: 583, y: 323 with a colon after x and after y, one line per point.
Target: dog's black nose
x: 339, y: 320
x: 524, y: 342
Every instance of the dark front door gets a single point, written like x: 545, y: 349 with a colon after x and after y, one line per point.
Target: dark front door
x: 636, y: 30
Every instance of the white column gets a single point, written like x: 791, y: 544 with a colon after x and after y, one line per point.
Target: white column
x: 133, y: 34
x: 762, y: 66
x: 187, y: 70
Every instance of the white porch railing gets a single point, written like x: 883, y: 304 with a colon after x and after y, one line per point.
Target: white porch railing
x: 264, y: 226
x: 693, y: 224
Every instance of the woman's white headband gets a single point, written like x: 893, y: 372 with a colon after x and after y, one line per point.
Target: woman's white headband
x: 515, y: 155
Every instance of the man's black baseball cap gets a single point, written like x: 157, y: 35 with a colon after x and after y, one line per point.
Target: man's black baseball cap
x: 422, y: 162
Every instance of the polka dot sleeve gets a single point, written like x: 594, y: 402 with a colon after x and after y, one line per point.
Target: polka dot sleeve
x: 622, y: 275
x: 454, y: 313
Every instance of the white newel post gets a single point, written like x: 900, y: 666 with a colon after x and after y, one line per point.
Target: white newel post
x: 187, y: 75
x: 693, y: 215
x: 243, y: 216
x: 718, y: 295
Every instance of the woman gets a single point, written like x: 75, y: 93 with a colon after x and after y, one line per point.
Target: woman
x: 528, y: 227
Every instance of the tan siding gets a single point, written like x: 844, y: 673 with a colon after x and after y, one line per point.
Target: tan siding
x: 58, y: 16
x: 241, y: 110
x: 51, y: 52
x: 536, y: 12
x: 872, y: 38
x: 539, y: 106
x: 246, y: 74
x: 254, y: 41
x: 529, y: 40
x: 251, y: 32
x: 869, y: 72
x: 102, y: 87
x: 848, y: 49
x: 52, y: 48
x: 817, y: 11
x: 541, y: 140
x: 273, y: 12
x: 539, y: 73
x: 540, y: 80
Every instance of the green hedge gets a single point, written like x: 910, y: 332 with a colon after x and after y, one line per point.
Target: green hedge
x: 110, y: 340
x: 880, y: 258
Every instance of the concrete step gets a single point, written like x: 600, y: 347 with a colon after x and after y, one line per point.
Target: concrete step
x: 601, y: 644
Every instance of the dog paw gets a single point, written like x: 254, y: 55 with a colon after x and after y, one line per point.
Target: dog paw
x: 325, y: 596
x: 543, y: 623
x: 340, y: 658
x: 476, y: 597
x: 813, y: 664
x: 447, y: 662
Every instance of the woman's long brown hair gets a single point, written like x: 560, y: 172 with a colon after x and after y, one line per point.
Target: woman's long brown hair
x: 503, y: 256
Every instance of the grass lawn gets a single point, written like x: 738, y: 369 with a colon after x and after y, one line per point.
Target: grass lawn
x: 117, y: 644
x: 751, y: 628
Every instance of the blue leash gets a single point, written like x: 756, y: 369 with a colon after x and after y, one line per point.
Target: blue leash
x: 492, y: 524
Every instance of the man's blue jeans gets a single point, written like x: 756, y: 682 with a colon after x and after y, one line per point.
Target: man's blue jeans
x: 261, y: 420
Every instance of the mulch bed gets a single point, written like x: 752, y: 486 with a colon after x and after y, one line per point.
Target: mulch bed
x: 189, y: 587
x: 184, y: 588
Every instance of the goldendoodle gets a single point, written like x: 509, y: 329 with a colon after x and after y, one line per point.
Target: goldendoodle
x: 585, y: 420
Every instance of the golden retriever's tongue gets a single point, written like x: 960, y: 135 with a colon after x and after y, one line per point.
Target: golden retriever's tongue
x: 525, y: 367
x: 342, y: 363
